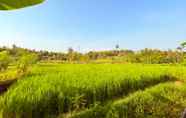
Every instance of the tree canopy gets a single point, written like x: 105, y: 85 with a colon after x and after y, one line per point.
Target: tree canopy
x: 16, y: 4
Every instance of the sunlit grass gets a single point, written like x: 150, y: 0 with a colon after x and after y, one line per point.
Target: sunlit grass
x: 53, y: 89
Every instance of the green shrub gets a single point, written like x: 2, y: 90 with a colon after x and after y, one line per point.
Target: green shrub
x: 25, y: 61
x: 5, y: 59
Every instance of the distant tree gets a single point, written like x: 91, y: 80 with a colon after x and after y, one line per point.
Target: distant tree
x: 70, y: 54
x: 92, y: 55
x: 14, y: 46
x: 70, y: 50
x: 117, y: 46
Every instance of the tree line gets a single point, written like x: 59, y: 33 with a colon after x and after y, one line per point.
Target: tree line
x: 147, y: 56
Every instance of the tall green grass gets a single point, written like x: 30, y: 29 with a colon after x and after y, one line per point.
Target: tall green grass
x: 51, y: 89
x: 161, y: 101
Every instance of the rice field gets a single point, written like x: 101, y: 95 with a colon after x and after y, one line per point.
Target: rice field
x: 97, y: 91
x: 167, y: 100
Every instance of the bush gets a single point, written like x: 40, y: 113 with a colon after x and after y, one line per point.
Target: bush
x: 5, y: 59
x: 25, y: 61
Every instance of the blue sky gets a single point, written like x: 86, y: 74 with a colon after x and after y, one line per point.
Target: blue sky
x: 96, y: 25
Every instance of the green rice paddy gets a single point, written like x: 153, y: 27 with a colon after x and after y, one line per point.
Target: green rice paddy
x: 97, y: 91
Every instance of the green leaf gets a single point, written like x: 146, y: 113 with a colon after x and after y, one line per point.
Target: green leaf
x: 16, y: 4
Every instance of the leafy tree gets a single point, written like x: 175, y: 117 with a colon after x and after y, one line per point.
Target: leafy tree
x: 5, y: 59
x: 16, y: 4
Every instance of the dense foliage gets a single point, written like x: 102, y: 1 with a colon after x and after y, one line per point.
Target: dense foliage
x: 147, y: 56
